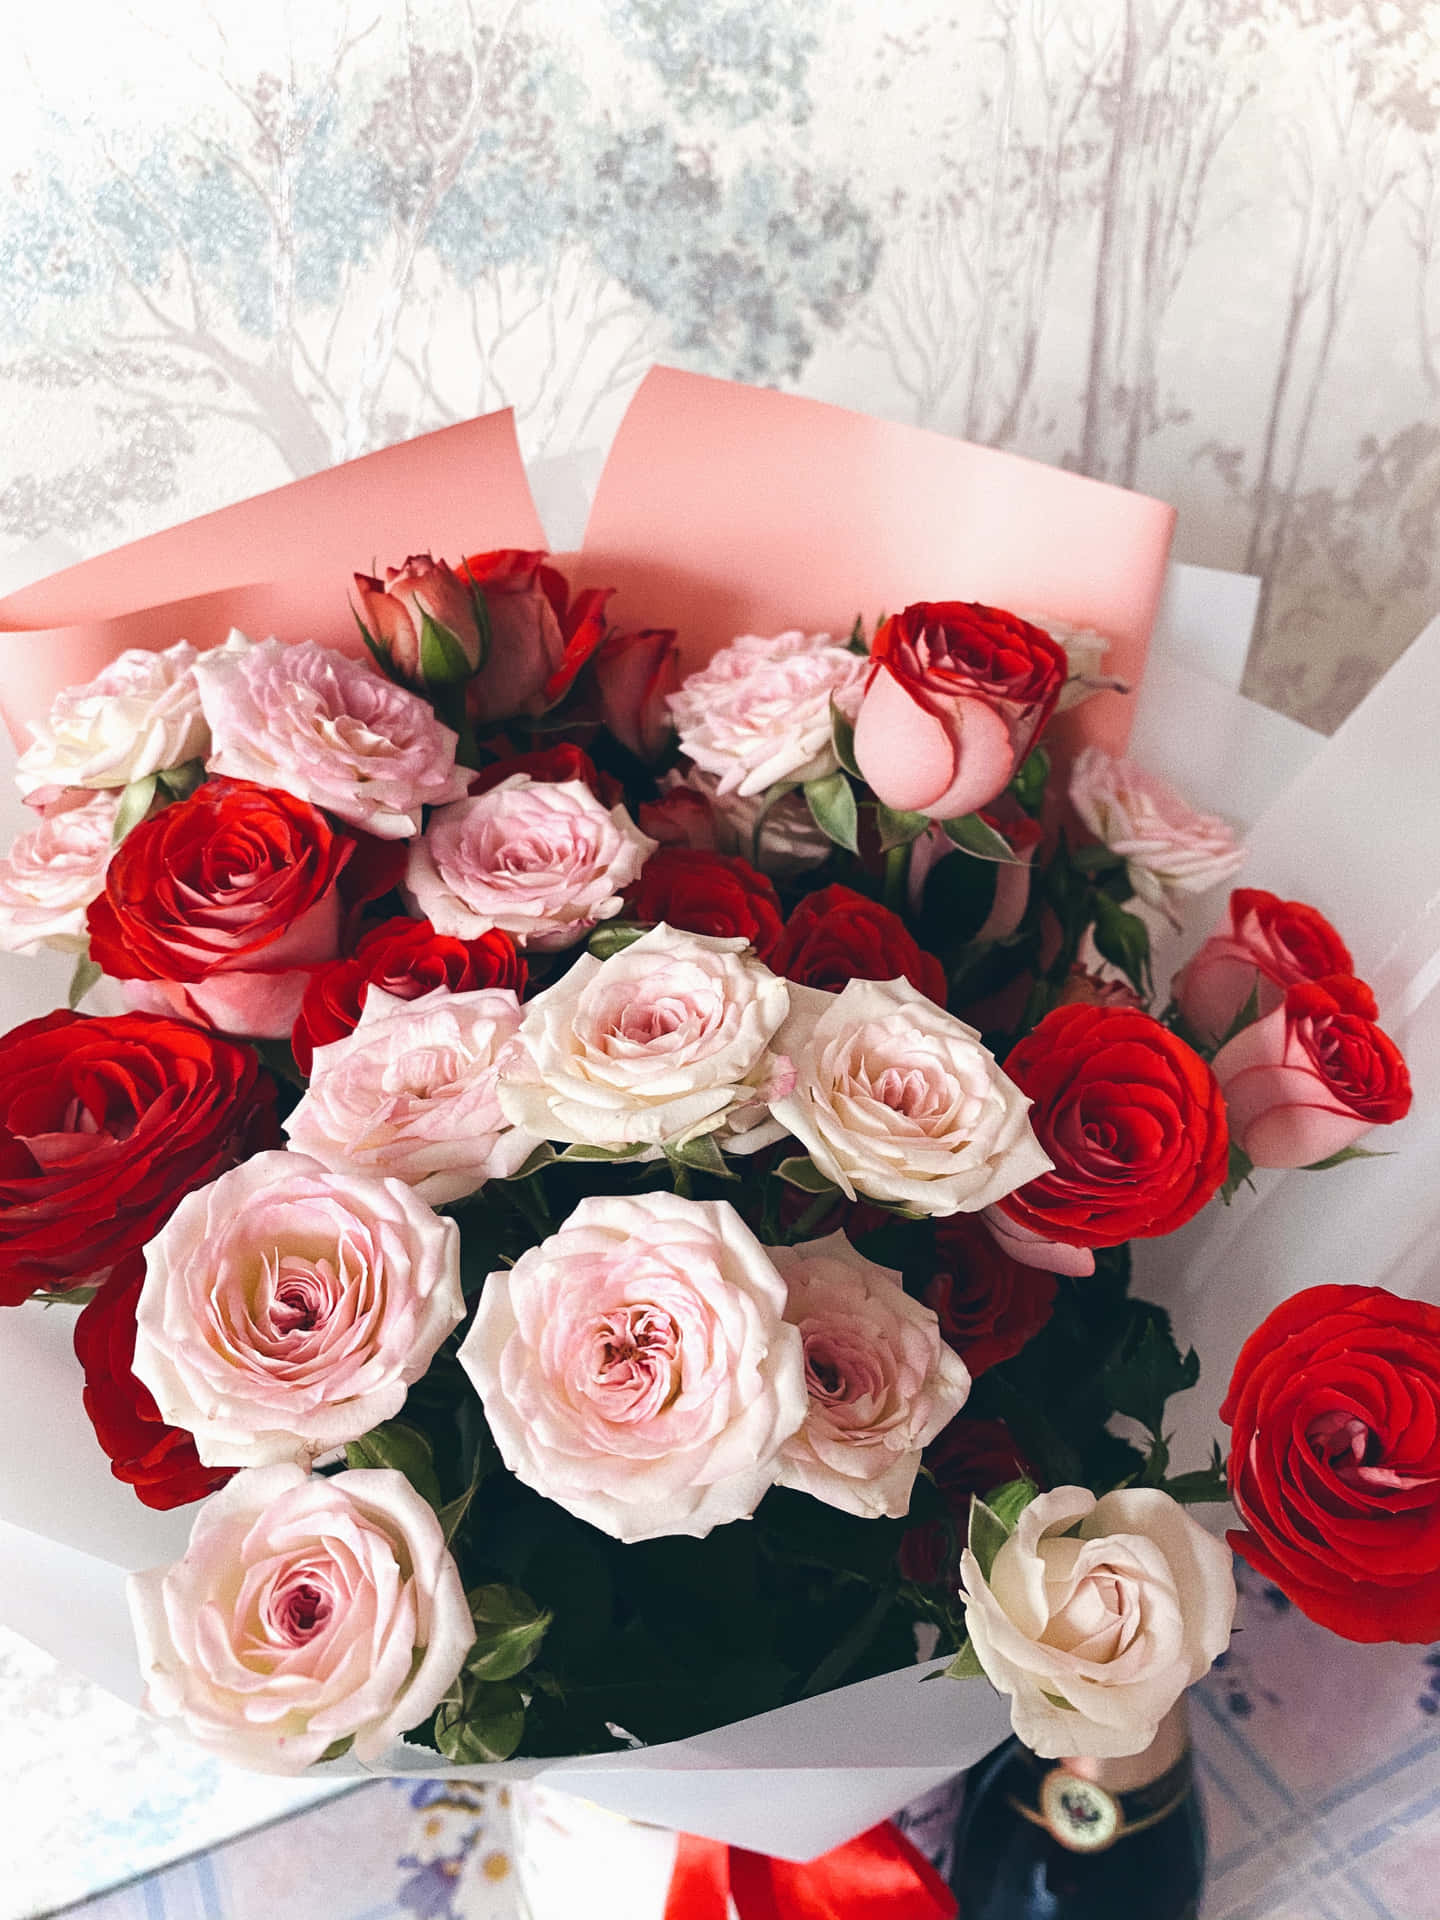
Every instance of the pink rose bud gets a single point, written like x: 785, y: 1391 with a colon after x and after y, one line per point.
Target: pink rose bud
x: 1313, y: 1076
x: 635, y: 673
x: 393, y: 613
x: 1266, y: 945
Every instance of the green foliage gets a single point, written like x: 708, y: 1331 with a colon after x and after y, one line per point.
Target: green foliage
x: 978, y: 838
x: 87, y: 972
x: 1028, y: 785
x: 135, y: 803
x: 801, y: 1171
x: 897, y: 829
x: 509, y: 1628
x: 842, y: 738
x: 398, y: 1445
x: 1147, y: 1368
x: 988, y: 1533
x: 613, y: 936
x: 832, y: 807
x: 1123, y: 939
x: 479, y: 1722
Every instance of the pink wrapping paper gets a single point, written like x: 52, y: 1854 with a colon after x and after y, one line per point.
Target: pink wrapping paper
x: 722, y: 509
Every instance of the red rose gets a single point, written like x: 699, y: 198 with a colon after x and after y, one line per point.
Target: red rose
x: 1334, y: 1410
x: 539, y: 638
x: 1132, y: 1118
x: 681, y: 817
x: 105, y: 1124
x: 988, y: 1305
x: 970, y: 1456
x: 837, y: 935
x: 714, y: 893
x: 404, y: 958
x: 228, y: 898
x: 562, y: 762
x: 1266, y: 945
x: 1313, y: 1076
x: 634, y: 673
x: 956, y: 696
x: 159, y: 1461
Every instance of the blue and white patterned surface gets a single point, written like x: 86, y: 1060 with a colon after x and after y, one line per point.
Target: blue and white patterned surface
x: 1319, y: 1763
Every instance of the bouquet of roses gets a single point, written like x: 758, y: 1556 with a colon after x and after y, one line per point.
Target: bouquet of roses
x: 614, y: 1184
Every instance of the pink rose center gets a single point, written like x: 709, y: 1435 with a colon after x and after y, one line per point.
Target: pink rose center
x: 909, y: 1090
x: 634, y: 1364
x: 839, y: 1372
x: 298, y: 1609
x: 1354, y: 1453
x: 301, y: 1295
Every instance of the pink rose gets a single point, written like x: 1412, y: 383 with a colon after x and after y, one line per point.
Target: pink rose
x: 882, y: 1383
x: 286, y: 1309
x: 759, y: 712
x: 539, y: 637
x: 1168, y: 848
x: 541, y: 860
x: 51, y: 874
x: 1266, y: 945
x: 329, y: 730
x: 393, y: 612
x: 1313, y: 1076
x: 306, y: 1614
x: 412, y: 1094
x: 635, y: 1367
x: 138, y: 716
x: 1032, y: 1249
x: 635, y: 674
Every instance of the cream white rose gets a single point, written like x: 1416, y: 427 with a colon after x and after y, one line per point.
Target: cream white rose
x: 138, y: 716
x: 1168, y: 848
x: 412, y: 1094
x: 759, y: 711
x: 51, y: 874
x: 667, y: 1038
x: 1113, y: 1606
x: 881, y: 1381
x: 286, y: 1309
x: 898, y: 1100
x: 636, y: 1367
x: 1085, y: 655
x: 306, y: 1612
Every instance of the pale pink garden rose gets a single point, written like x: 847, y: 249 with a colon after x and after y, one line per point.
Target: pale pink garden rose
x: 542, y: 860
x: 1168, y: 848
x: 759, y: 711
x: 52, y: 873
x: 329, y: 730
x: 1085, y: 654
x: 899, y: 1101
x: 307, y: 1613
x: 412, y: 1094
x: 1112, y: 1607
x: 287, y: 1309
x: 636, y: 1367
x: 666, y: 1039
x: 138, y: 716
x: 882, y: 1383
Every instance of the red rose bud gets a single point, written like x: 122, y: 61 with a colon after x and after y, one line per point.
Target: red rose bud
x: 226, y: 900
x: 1266, y: 945
x: 837, y: 935
x: 988, y: 1305
x: 1132, y: 1118
x: 1313, y: 1076
x: 105, y: 1125
x: 681, y: 817
x: 393, y: 613
x: 159, y: 1461
x: 970, y: 1457
x: 956, y: 696
x: 712, y: 893
x: 404, y: 958
x: 1334, y: 1410
x: 562, y: 762
x: 539, y: 638
x: 634, y: 674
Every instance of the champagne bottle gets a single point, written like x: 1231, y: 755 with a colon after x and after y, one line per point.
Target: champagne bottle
x: 1083, y: 1839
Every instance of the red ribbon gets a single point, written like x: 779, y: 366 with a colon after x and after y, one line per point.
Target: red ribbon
x: 880, y: 1876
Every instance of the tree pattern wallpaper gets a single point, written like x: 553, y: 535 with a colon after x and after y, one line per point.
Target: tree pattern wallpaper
x: 1191, y: 246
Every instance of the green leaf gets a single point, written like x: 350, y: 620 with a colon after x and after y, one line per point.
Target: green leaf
x: 508, y: 1630
x: 580, y: 1150
x: 1339, y: 1159
x: 1007, y: 1503
x: 988, y: 1533
x: 135, y: 803
x: 541, y: 1156
x: 454, y: 1511
x: 966, y: 1664
x: 975, y: 836
x: 1124, y: 940
x: 443, y: 661
x: 1094, y: 860
x: 87, y: 972
x: 1147, y: 1370
x: 832, y: 807
x: 801, y: 1171
x: 898, y: 829
x: 1028, y: 785
x: 480, y: 1723
x: 398, y: 1445
x: 180, y: 782
x: 613, y: 936
x: 1237, y: 1173
x: 842, y: 738
x: 857, y: 642
x: 701, y: 1154
x: 379, y: 653
x: 336, y: 1748
x: 1207, y: 1484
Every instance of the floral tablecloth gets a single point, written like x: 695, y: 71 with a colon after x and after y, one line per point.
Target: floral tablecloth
x: 1319, y: 1764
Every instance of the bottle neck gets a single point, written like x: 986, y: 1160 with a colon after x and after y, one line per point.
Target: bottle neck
x: 1136, y: 1770
x: 1089, y: 1805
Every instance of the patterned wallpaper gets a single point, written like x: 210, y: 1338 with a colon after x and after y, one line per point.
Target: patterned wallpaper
x: 1189, y: 245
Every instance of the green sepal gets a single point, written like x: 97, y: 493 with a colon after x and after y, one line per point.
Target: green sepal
x: 857, y: 642
x: 977, y: 837
x: 378, y: 653
x: 539, y: 1156
x: 832, y: 807
x: 842, y: 738
x: 443, y: 661
x: 988, y: 1533
x: 87, y: 972
x: 1339, y: 1159
x: 1031, y: 777
x: 701, y: 1155
x: 613, y: 936
x: 801, y: 1171
x: 582, y: 1150
x: 966, y: 1665
x: 135, y: 803
x: 396, y: 1444
x: 1124, y: 940
x: 180, y: 782
x: 898, y: 829
x: 1007, y: 1503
